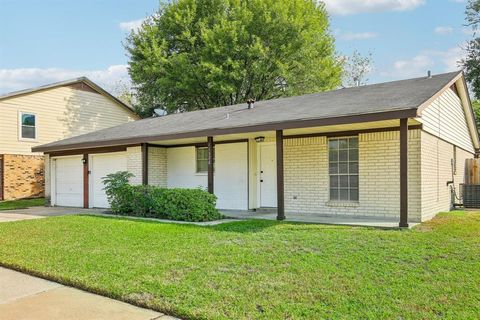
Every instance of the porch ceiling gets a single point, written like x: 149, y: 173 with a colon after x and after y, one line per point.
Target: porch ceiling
x: 290, y: 132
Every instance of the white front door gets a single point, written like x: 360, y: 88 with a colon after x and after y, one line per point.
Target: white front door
x: 268, y: 175
x: 100, y: 165
x: 68, y: 182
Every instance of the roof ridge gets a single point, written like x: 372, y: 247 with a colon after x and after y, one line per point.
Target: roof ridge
x: 316, y: 93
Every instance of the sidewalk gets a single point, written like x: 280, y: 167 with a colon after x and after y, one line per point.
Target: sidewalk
x: 23, y: 297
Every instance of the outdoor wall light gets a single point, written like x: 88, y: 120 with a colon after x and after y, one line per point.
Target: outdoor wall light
x: 259, y: 139
x: 84, y: 160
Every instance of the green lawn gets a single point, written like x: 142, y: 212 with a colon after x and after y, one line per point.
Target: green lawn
x: 260, y: 269
x: 21, y: 204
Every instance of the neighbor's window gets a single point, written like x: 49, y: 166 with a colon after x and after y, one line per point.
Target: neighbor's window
x: 202, y: 159
x: 28, y: 128
x: 343, y: 168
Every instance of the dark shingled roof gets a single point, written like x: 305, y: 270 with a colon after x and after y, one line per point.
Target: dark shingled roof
x: 394, y: 97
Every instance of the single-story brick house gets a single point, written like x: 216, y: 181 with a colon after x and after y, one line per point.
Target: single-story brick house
x: 382, y: 150
x: 40, y: 115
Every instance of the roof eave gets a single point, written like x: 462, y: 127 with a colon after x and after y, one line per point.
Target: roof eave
x: 348, y: 119
x: 471, y: 116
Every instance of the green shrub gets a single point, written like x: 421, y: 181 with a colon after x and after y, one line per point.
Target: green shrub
x: 115, y: 183
x: 163, y: 203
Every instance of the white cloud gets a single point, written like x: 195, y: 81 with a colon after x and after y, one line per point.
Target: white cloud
x: 413, y: 67
x: 450, y: 58
x: 24, y: 78
x: 417, y: 66
x: 358, y: 35
x: 344, y: 7
x: 443, y: 30
x: 131, y: 25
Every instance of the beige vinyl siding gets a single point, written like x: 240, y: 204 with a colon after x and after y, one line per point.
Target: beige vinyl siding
x: 445, y: 118
x: 60, y: 113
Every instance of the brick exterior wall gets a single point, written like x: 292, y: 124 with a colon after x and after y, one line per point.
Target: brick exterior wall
x: 23, y: 176
x: 307, y: 179
x: 157, y: 167
x: 436, y: 157
x: 134, y: 164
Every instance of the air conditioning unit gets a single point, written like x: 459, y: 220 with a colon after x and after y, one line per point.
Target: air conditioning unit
x: 471, y: 195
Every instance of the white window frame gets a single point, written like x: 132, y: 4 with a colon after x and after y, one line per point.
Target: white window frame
x: 348, y: 174
x: 20, y: 125
x: 196, y: 161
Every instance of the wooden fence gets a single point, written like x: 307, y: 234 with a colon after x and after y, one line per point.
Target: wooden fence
x: 472, y: 171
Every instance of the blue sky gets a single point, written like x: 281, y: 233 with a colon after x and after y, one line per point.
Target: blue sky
x: 53, y: 40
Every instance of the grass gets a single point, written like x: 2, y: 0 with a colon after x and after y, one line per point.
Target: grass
x: 21, y: 204
x: 260, y: 269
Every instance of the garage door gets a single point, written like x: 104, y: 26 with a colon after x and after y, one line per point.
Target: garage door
x: 100, y: 166
x: 68, y: 181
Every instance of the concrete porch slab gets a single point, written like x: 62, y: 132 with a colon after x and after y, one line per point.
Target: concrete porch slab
x: 378, y: 222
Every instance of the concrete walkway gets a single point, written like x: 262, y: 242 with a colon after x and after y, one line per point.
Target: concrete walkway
x: 42, y: 212
x: 23, y: 297
x: 360, y: 221
x: 232, y: 215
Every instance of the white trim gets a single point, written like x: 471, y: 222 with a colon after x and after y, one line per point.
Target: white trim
x: 338, y: 202
x: 20, y: 138
x: 200, y: 173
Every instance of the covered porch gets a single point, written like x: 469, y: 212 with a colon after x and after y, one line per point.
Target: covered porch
x: 286, y: 173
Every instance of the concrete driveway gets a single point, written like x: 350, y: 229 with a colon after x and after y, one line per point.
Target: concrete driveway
x: 42, y: 212
x: 23, y: 297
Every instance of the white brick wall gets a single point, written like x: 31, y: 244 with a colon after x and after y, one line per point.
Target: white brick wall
x: 307, y: 180
x: 134, y: 164
x: 436, y: 157
x: 157, y: 166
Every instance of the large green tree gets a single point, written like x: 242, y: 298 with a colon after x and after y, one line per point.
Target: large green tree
x: 472, y: 61
x: 199, y: 54
x: 476, y: 109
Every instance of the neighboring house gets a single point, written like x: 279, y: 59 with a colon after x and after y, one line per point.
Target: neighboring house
x: 382, y: 150
x: 33, y: 117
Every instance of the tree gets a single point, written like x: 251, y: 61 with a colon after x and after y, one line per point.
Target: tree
x: 471, y: 63
x: 355, y: 69
x: 123, y: 91
x: 476, y: 109
x: 199, y: 54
